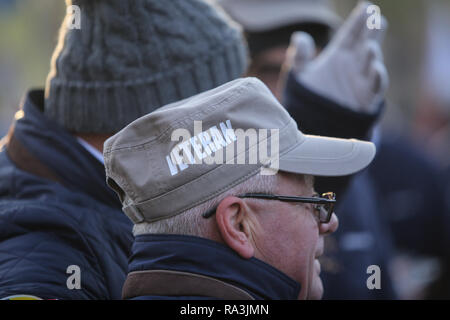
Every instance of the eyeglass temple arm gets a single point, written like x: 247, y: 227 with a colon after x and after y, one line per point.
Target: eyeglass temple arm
x: 287, y: 198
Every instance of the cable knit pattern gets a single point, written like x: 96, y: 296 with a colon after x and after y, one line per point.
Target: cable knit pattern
x: 130, y: 57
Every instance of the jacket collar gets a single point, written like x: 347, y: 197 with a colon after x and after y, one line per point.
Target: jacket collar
x: 58, y: 150
x: 211, y: 259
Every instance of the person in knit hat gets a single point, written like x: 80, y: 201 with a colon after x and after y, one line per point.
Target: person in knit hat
x: 62, y: 232
x: 131, y: 57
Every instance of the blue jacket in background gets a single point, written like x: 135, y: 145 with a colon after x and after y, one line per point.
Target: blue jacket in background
x: 65, y: 217
x: 412, y: 189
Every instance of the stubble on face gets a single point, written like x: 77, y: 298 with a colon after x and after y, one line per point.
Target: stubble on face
x: 288, y: 238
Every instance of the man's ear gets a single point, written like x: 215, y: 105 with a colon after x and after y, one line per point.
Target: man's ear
x: 229, y: 216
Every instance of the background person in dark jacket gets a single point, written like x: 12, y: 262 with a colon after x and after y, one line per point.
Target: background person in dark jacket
x: 211, y: 224
x: 332, y: 96
x: 401, y: 194
x: 62, y: 232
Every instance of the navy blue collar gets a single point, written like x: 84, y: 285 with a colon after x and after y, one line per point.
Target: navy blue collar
x: 209, y: 258
x: 60, y: 151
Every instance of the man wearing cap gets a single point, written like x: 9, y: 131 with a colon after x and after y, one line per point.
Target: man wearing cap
x: 217, y: 227
x: 332, y: 81
x: 62, y: 232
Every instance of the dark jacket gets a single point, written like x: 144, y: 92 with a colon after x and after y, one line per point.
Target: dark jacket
x: 186, y: 267
x: 412, y: 189
x: 56, y: 211
x: 362, y: 239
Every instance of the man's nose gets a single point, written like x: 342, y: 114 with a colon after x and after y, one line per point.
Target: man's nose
x: 330, y: 227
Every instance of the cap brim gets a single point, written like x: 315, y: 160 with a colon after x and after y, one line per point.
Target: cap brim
x: 323, y: 156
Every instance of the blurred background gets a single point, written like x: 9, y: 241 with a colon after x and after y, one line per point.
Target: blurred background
x: 28, y: 34
x: 417, y: 53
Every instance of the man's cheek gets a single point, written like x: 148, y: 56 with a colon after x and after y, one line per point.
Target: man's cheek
x: 316, y: 288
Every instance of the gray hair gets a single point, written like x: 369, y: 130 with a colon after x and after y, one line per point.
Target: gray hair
x: 191, y: 221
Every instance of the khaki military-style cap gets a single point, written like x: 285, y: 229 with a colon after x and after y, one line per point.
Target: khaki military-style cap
x: 193, y: 150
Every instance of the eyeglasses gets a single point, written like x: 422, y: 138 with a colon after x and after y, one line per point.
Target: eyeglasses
x: 323, y: 206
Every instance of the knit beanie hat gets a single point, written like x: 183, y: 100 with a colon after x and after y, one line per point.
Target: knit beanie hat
x: 130, y: 57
